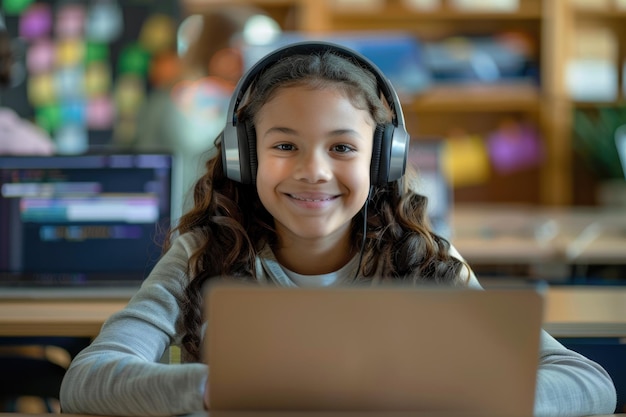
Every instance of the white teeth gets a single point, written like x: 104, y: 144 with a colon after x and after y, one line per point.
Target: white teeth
x: 308, y: 199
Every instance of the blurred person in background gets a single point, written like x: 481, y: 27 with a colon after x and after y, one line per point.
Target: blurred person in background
x: 185, y: 116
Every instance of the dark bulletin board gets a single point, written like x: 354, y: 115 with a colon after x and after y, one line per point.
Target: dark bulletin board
x: 32, y: 24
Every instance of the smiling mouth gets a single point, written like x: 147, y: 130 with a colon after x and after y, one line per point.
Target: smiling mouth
x: 309, y: 199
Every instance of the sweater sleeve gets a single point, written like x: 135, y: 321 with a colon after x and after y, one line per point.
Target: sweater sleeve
x: 568, y: 384
x: 120, y: 372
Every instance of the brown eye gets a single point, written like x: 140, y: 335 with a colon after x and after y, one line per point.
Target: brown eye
x: 285, y: 147
x: 342, y: 148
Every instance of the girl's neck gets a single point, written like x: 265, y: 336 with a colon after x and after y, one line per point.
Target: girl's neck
x: 314, y: 257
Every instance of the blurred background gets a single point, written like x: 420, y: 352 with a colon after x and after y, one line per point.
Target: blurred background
x: 525, y: 95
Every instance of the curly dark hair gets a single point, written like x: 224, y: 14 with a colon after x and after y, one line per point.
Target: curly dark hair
x: 399, y: 243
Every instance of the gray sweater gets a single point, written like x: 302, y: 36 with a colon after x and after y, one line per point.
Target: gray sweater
x: 120, y: 373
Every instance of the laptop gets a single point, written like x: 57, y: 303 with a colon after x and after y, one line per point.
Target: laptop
x: 378, y: 349
x: 82, y: 225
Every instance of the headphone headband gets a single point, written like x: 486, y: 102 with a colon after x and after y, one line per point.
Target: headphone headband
x: 232, y: 147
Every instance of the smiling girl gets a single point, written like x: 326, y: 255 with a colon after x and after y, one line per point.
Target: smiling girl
x: 299, y: 195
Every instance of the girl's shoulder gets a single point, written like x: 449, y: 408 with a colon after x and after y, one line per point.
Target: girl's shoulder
x: 187, y: 243
x: 467, y: 275
x: 172, y: 270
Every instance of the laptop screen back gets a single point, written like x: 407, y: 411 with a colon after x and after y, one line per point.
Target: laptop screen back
x: 84, y: 219
x: 373, y: 349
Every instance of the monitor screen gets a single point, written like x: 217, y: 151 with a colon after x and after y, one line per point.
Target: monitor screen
x: 83, y: 219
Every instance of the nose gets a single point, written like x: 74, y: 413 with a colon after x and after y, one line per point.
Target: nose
x: 313, y: 166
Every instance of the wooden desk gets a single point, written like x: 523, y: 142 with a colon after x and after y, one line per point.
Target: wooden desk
x: 501, y: 235
x: 571, y: 311
x: 577, y: 311
x: 525, y: 235
x: 55, y: 318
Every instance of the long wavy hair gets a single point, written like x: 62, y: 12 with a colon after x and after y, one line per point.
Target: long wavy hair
x: 233, y: 224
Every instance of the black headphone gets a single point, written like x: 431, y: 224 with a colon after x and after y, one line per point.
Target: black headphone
x: 391, y: 140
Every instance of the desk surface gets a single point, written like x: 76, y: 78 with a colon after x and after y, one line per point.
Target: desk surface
x: 55, y: 318
x: 571, y: 311
x: 503, y: 235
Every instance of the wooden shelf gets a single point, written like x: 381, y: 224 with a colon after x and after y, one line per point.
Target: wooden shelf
x: 598, y: 104
x: 397, y: 17
x: 400, y: 14
x: 476, y: 98
x: 201, y: 4
x: 609, y: 13
x: 445, y: 10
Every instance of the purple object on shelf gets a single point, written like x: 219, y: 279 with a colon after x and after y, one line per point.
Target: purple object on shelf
x: 514, y: 147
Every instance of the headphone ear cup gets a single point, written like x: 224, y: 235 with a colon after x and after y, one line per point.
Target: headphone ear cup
x: 252, y: 156
x: 244, y: 159
x: 376, y: 154
x: 383, y: 140
x: 246, y: 139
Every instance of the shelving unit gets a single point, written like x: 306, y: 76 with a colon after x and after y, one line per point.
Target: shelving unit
x: 477, y: 98
x: 477, y: 108
x: 612, y: 19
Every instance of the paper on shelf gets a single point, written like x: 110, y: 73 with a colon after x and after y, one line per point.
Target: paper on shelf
x: 486, y: 5
x: 591, y: 74
x: 591, y: 80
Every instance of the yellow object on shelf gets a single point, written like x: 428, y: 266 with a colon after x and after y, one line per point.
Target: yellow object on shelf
x: 465, y: 160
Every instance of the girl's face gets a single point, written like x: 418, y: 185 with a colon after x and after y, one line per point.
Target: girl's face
x: 314, y: 150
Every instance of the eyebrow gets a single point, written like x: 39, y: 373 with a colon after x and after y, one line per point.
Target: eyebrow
x: 290, y: 131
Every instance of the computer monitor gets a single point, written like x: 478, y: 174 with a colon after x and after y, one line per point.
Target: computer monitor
x: 83, y: 220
